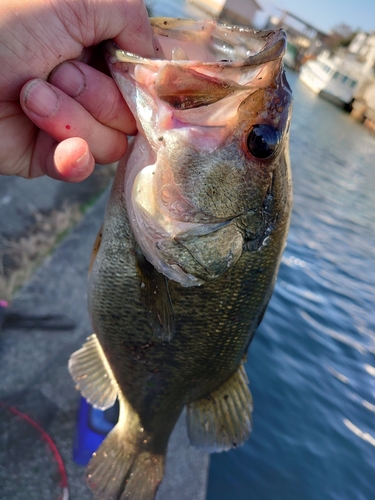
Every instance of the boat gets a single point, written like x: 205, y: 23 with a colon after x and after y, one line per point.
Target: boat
x: 335, y: 77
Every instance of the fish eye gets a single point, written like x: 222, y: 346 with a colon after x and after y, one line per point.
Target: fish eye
x: 263, y: 141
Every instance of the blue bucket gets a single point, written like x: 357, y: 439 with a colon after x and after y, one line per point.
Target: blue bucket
x: 92, y: 427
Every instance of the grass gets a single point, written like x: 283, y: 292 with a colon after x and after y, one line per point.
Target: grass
x: 21, y: 257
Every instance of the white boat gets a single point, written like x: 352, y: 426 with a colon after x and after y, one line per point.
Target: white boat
x: 336, y: 77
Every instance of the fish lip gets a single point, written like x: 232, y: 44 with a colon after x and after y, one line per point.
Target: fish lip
x: 114, y: 52
x: 274, y: 49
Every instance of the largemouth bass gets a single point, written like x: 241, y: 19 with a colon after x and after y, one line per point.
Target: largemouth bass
x: 191, y: 244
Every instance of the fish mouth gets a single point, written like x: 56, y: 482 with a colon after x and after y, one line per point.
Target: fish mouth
x: 204, y: 61
x: 226, y: 47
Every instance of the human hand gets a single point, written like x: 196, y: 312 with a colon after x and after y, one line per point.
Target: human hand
x: 62, y: 127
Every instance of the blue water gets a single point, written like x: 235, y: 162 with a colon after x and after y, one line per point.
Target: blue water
x: 312, y: 362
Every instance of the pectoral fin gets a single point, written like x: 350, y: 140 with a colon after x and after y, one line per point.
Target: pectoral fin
x: 222, y: 420
x: 155, y: 294
x: 91, y: 372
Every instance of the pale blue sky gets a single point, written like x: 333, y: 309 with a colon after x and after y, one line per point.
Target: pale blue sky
x: 324, y: 14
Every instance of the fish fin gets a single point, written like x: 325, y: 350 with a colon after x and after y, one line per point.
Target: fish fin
x: 155, y: 295
x: 96, y: 247
x: 118, y: 471
x: 91, y: 372
x: 222, y: 420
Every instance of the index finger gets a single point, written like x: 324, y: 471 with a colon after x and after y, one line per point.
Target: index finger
x: 137, y: 35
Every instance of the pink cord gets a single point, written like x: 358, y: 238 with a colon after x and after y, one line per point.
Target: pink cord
x: 51, y: 444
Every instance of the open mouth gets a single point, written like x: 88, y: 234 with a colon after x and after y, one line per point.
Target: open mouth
x: 210, y: 43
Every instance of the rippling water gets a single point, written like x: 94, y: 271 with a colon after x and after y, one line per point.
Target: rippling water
x: 312, y: 362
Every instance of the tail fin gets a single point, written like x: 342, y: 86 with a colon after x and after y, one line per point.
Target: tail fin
x: 120, y: 471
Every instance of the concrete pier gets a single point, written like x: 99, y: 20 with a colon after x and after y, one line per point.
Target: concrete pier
x: 34, y: 379
x: 363, y: 106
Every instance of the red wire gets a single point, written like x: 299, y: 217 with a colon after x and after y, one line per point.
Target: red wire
x: 51, y: 444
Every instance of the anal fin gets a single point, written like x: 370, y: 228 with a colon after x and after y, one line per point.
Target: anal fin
x: 222, y: 420
x: 92, y: 374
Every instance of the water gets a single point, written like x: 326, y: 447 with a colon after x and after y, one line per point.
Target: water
x: 312, y: 362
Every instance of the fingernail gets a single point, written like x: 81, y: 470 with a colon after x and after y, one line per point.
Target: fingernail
x: 80, y: 169
x: 40, y: 98
x: 84, y: 160
x: 69, y: 78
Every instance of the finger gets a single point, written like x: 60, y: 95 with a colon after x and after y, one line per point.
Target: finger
x: 70, y: 160
x: 135, y: 33
x: 73, y: 160
x: 17, y: 136
x: 96, y: 92
x: 62, y: 118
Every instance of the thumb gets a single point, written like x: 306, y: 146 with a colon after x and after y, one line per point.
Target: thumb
x: 124, y: 21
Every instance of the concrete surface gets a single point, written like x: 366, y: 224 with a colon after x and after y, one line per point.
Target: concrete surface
x: 21, y: 198
x: 52, y: 323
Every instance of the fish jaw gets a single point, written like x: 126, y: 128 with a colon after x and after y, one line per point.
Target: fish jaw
x: 191, y: 172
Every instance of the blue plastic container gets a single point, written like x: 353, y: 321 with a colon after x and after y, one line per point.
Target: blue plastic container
x: 92, y: 427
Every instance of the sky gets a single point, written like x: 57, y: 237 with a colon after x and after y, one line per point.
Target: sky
x: 325, y: 14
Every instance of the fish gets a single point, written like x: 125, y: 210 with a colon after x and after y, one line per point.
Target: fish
x: 187, y: 258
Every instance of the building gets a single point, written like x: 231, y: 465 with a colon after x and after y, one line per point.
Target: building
x: 305, y: 41
x: 240, y: 12
x: 212, y: 8
x: 363, y: 49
